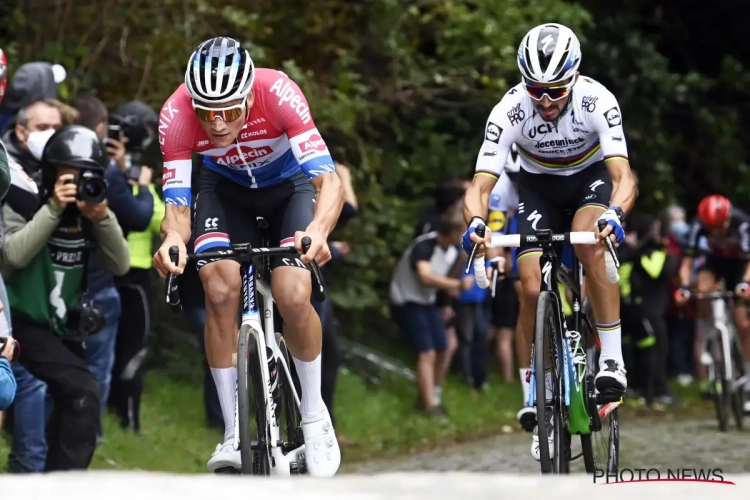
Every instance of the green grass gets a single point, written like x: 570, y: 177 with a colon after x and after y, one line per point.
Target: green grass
x: 380, y: 419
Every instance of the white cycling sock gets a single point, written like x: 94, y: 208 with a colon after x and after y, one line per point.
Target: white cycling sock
x: 525, y: 386
x: 438, y: 395
x: 226, y: 386
x: 747, y: 374
x: 311, y: 405
x: 610, y: 335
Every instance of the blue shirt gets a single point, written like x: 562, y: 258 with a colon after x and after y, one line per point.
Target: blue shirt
x: 474, y: 294
x: 7, y: 384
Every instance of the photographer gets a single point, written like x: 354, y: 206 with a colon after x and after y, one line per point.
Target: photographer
x: 133, y: 212
x: 43, y: 261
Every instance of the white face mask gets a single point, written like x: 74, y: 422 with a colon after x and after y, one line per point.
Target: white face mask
x: 37, y: 140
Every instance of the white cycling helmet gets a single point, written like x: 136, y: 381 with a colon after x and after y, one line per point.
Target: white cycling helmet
x: 549, y: 53
x: 219, y: 71
x: 513, y: 165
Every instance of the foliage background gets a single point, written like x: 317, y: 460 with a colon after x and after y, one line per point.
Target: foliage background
x: 401, y: 90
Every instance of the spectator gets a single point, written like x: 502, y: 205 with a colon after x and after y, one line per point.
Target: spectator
x: 471, y: 328
x: 35, y: 123
x: 53, y: 240
x: 32, y: 82
x: 422, y: 270
x: 7, y: 380
x: 134, y: 210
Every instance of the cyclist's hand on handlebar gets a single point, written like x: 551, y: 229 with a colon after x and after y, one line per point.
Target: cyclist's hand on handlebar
x: 162, y: 260
x: 470, y: 237
x: 742, y: 290
x: 681, y: 296
x: 613, y: 228
x: 319, y: 251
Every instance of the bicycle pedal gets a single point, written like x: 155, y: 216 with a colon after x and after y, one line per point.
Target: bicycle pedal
x: 609, y: 396
x: 228, y: 471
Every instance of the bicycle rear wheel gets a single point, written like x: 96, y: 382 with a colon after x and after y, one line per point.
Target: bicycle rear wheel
x: 291, y: 420
x: 546, y: 344
x: 601, y: 448
x: 254, y: 450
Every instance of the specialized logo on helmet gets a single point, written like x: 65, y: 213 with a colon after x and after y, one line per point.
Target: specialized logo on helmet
x: 547, y: 45
x: 314, y: 142
x: 286, y: 92
x: 247, y: 154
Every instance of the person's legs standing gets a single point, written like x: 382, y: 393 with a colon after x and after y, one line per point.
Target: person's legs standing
x: 414, y: 325
x: 439, y: 343
x: 29, y: 447
x: 479, y: 348
x: 100, y: 348
x: 465, y: 319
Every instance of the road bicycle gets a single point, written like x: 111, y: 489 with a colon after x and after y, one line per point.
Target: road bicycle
x: 277, y: 446
x: 571, y: 355
x: 722, y: 356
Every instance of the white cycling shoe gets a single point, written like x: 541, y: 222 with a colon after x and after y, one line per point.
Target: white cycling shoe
x: 527, y: 418
x: 612, y: 375
x: 550, y: 442
x: 225, y: 456
x: 322, y: 453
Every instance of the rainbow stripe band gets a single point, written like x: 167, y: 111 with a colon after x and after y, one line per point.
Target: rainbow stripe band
x: 593, y: 205
x: 527, y: 253
x: 487, y: 173
x: 616, y: 157
x: 608, y: 327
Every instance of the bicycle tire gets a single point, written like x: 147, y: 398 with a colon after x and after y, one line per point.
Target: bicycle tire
x: 292, y: 419
x: 738, y: 392
x: 546, y: 334
x: 719, y: 394
x: 255, y: 461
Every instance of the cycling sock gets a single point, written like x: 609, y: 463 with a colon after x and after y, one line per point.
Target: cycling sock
x: 311, y: 406
x: 747, y: 374
x: 610, y: 335
x: 226, y: 387
x: 525, y: 386
x: 438, y: 395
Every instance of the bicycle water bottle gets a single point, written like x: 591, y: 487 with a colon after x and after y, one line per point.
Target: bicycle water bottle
x: 273, y: 377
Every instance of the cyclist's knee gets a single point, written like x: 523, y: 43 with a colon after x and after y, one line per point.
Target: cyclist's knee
x: 291, y: 292
x: 589, y: 254
x: 221, y: 285
x: 531, y: 286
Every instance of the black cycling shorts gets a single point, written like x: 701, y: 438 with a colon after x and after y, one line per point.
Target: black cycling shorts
x: 505, y: 305
x: 226, y: 212
x: 550, y: 201
x: 731, y: 271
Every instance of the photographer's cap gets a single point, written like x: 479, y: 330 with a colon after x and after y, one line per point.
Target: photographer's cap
x: 59, y: 73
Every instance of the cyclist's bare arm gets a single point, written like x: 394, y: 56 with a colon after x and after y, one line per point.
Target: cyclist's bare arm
x: 176, y: 220
x: 623, y: 183
x: 329, y: 201
x: 686, y: 271
x: 477, y: 198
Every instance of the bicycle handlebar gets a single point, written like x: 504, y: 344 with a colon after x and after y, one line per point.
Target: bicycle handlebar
x: 240, y: 252
x: 712, y: 295
x: 611, y: 261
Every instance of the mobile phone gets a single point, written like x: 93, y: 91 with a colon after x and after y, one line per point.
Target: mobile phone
x: 113, y: 132
x: 133, y: 173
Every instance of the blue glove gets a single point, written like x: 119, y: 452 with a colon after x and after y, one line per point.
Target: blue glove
x: 613, y: 220
x: 466, y: 242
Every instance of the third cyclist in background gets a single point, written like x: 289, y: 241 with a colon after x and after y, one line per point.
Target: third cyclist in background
x: 727, y: 231
x: 568, y: 129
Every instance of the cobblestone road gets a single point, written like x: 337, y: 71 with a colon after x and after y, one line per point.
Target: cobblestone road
x: 644, y: 443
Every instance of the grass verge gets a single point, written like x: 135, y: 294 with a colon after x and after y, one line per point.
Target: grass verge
x: 380, y: 419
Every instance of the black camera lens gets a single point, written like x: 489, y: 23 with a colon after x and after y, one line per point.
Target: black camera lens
x: 92, y: 188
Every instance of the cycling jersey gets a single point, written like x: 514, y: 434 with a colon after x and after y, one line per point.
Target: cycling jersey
x: 735, y: 244
x: 278, y: 139
x: 503, y: 200
x: 588, y: 131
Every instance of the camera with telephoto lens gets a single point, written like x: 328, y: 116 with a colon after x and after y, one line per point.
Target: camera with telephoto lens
x: 84, y: 320
x: 92, y: 187
x: 136, y: 135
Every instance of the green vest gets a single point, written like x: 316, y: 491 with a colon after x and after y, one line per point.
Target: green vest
x: 46, y: 289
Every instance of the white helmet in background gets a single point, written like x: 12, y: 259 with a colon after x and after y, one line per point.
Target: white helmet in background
x: 549, y: 53
x: 513, y: 165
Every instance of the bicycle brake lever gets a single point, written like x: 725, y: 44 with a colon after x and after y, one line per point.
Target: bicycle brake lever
x: 170, y: 284
x: 480, y: 230
x: 318, y: 290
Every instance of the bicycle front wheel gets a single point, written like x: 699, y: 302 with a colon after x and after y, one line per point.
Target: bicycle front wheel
x: 251, y: 406
x: 550, y: 401
x: 738, y: 390
x: 720, y: 390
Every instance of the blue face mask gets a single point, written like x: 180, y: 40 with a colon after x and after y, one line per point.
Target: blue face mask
x: 679, y: 228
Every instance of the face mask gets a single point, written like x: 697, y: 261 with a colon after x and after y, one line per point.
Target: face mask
x: 679, y: 228
x: 36, y: 142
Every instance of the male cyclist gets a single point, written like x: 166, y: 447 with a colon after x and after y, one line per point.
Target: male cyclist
x: 568, y: 129
x: 727, y: 231
x: 264, y: 163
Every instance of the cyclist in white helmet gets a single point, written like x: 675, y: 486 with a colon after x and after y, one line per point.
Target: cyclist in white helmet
x: 263, y: 158
x: 568, y: 129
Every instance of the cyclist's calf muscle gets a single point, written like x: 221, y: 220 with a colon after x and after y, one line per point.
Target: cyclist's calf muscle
x: 221, y: 284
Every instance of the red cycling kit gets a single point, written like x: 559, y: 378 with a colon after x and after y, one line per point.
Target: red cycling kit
x: 263, y: 176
